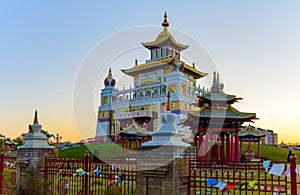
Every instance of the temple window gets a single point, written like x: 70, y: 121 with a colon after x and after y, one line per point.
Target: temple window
x: 147, y: 81
x: 159, y: 80
x: 148, y: 93
x: 173, y: 106
x: 164, y: 51
x: 172, y: 88
x: 155, y: 92
x: 158, y: 52
x: 153, y: 54
x: 183, y: 89
x: 163, y: 91
x: 104, y: 100
x: 114, y: 98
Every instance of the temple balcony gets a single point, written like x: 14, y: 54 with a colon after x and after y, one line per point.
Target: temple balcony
x: 134, y: 114
x: 141, y: 93
x: 157, y: 90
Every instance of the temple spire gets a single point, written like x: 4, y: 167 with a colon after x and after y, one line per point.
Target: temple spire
x: 215, y: 85
x: 168, y: 102
x: 35, y: 121
x: 109, y: 74
x: 165, y: 23
x: 109, y: 81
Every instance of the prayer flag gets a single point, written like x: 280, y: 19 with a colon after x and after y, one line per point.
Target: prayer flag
x: 252, y: 183
x: 266, y: 164
x: 277, y: 169
x: 231, y: 186
x: 211, y: 182
x: 221, y: 185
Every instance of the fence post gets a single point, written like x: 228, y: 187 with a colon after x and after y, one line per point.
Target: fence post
x: 293, y: 174
x: 86, y: 176
x: 1, y: 173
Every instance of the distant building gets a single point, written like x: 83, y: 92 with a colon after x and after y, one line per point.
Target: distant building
x: 271, y: 137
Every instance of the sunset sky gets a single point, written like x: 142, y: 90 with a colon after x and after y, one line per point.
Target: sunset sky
x: 44, y: 44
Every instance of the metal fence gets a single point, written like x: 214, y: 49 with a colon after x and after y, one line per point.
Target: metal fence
x: 238, y: 178
x: 85, y: 176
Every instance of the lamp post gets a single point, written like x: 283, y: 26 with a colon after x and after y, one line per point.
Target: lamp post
x: 57, y: 137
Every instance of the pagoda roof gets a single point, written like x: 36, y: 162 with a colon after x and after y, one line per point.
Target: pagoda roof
x: 190, y: 70
x: 229, y: 113
x: 219, y: 96
x: 165, y: 38
x: 251, y: 131
x: 163, y: 63
x: 158, y: 64
x: 135, y: 130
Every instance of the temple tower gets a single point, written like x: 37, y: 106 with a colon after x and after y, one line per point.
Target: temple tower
x: 105, y: 124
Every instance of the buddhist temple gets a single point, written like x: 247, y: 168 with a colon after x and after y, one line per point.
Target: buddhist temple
x: 249, y: 135
x: 216, y: 121
x: 142, y: 104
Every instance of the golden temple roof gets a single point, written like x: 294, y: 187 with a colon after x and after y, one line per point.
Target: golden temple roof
x: 164, y: 37
x: 251, y: 131
x: 148, y: 66
x: 134, y: 129
x: 164, y: 63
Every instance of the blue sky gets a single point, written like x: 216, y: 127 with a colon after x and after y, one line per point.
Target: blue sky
x: 255, y: 44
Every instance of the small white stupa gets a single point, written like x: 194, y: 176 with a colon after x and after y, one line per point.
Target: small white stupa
x: 167, y: 134
x: 31, y: 155
x: 35, y: 138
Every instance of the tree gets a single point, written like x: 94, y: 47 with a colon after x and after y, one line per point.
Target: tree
x: 19, y: 140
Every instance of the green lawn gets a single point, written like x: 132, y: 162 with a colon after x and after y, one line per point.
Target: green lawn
x: 271, y: 152
x: 111, y: 150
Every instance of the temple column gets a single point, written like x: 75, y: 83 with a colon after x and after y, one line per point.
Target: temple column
x: 200, y: 147
x: 237, y: 154
x: 232, y: 147
x: 258, y: 149
x: 195, y: 142
x: 241, y: 148
x: 222, y: 156
x: 206, y: 147
x: 228, y: 149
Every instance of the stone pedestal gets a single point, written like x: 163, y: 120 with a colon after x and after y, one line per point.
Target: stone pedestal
x: 161, y: 164
x: 162, y: 172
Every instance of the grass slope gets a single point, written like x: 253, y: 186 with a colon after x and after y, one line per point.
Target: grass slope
x: 271, y: 152
x: 108, y: 150
x: 111, y: 150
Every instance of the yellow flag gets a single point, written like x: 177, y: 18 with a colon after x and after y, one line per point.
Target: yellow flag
x: 252, y: 183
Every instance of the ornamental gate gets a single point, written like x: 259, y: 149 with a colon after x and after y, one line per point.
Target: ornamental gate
x: 83, y: 176
x: 235, y: 178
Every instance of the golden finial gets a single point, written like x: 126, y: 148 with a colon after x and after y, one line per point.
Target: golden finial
x: 35, y: 121
x: 165, y: 23
x: 168, y: 102
x: 109, y: 73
